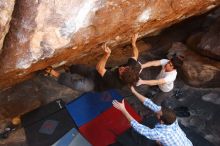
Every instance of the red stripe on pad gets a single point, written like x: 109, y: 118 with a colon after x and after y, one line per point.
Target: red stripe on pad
x: 104, y: 129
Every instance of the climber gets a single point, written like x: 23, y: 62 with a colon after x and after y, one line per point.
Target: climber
x: 127, y: 74
x: 166, y: 132
x: 84, y: 78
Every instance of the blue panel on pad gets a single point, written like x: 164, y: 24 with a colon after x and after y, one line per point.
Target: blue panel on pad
x: 88, y: 106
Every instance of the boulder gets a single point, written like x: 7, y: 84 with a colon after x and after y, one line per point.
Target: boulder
x: 206, y: 40
x: 6, y: 9
x: 201, y: 71
x: 210, y: 44
x: 53, y: 32
x: 197, y: 70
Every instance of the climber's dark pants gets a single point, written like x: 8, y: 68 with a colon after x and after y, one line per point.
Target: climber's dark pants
x: 82, y: 78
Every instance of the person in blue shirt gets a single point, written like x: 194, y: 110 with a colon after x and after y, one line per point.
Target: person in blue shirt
x: 166, y: 132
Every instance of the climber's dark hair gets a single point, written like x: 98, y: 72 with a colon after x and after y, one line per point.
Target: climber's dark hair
x: 176, y: 61
x: 130, y: 76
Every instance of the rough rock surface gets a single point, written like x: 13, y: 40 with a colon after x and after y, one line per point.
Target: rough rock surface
x: 201, y: 71
x: 52, y: 32
x: 206, y: 40
x: 210, y: 44
x: 207, y: 43
x: 197, y: 70
x: 6, y: 9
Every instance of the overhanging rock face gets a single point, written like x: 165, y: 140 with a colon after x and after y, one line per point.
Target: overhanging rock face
x: 6, y: 9
x: 51, y: 32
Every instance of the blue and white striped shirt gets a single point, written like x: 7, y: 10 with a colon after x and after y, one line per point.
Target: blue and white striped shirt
x: 167, y: 135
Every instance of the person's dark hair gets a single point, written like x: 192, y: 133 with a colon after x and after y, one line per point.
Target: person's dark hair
x: 130, y: 76
x: 168, y: 116
x: 176, y: 61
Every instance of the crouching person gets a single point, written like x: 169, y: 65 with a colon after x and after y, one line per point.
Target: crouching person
x: 166, y: 132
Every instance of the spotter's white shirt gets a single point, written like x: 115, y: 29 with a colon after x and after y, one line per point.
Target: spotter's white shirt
x: 169, y: 77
